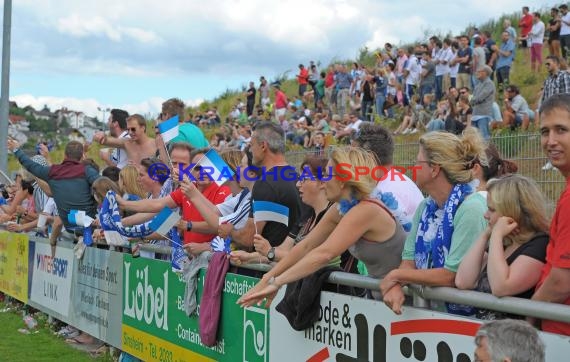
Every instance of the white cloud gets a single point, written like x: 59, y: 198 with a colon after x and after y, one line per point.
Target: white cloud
x: 85, y: 26
x: 147, y: 39
x: 150, y: 107
x: 77, y: 26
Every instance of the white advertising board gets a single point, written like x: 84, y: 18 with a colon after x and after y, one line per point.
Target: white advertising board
x: 356, y: 330
x: 51, y: 277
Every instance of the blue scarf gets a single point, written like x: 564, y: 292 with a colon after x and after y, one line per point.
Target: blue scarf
x: 433, y: 240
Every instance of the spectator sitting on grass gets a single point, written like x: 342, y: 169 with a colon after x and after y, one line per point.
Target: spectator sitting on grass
x: 516, y: 112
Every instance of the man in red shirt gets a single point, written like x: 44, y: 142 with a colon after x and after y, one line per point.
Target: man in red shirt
x: 526, y: 25
x: 329, y: 86
x: 302, y: 79
x: 280, y: 101
x: 197, y: 238
x: 554, y: 284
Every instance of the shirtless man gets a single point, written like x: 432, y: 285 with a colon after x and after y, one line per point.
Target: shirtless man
x: 139, y: 146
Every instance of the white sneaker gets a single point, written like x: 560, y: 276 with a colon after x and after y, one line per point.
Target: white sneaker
x: 547, y: 166
x: 415, y: 130
x: 406, y: 131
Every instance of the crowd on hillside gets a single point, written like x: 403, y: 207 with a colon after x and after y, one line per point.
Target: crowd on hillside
x: 481, y: 227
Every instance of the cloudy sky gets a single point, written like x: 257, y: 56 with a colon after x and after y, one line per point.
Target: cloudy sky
x: 133, y: 54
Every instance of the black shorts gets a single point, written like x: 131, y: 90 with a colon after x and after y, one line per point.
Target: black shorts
x: 524, y: 43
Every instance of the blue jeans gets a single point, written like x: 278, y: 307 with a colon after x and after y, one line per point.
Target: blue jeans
x: 408, y: 94
x: 483, y: 125
x: 425, y: 89
x: 453, y: 82
x: 367, y: 110
x: 438, y: 87
x: 380, y: 99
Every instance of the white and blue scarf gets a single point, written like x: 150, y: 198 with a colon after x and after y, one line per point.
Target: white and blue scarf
x: 433, y: 239
x: 110, y: 219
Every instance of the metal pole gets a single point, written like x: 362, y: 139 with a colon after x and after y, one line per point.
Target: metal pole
x: 5, y: 85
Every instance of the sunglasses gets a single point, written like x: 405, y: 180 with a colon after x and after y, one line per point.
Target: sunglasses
x: 548, y: 64
x: 134, y: 130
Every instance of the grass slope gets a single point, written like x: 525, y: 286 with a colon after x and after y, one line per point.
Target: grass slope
x: 41, y: 346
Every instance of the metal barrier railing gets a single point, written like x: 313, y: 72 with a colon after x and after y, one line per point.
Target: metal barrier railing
x: 512, y: 305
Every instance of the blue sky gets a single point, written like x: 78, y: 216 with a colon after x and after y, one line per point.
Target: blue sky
x: 134, y: 54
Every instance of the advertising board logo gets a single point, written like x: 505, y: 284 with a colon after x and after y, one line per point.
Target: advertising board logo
x: 147, y: 299
x: 255, y: 334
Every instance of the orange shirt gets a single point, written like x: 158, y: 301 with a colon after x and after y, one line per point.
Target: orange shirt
x: 303, y: 76
x: 558, y: 253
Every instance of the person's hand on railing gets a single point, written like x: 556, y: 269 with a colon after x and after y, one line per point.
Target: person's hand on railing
x: 394, y: 298
x: 239, y: 257
x: 196, y: 248
x: 15, y: 228
x: 387, y: 283
x: 262, y: 291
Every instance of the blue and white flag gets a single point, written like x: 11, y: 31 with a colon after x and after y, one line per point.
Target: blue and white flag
x: 216, y: 167
x: 169, y: 129
x: 178, y: 257
x: 270, y: 211
x: 219, y: 244
x: 164, y: 221
x: 81, y: 219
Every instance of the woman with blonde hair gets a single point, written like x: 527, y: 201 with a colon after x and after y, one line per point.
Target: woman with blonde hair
x: 447, y: 222
x: 129, y: 184
x: 359, y: 223
x: 507, y: 258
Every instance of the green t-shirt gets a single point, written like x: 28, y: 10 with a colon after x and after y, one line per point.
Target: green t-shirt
x: 468, y: 224
x: 321, y: 87
x: 192, y: 134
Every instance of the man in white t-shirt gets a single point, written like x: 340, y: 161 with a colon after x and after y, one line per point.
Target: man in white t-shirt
x: 442, y: 60
x: 412, y: 73
x: 398, y: 192
x: 535, y: 39
x: 352, y: 127
x: 117, y: 128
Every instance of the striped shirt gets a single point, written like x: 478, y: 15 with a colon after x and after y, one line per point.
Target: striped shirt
x: 558, y: 83
x: 235, y: 210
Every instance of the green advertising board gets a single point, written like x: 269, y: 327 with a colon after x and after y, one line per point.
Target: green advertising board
x: 156, y: 327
